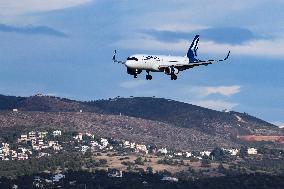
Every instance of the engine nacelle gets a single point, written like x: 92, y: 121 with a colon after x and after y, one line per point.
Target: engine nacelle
x: 171, y: 70
x: 133, y: 71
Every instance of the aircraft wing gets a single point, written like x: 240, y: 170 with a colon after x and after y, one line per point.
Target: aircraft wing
x: 116, y: 61
x: 182, y: 67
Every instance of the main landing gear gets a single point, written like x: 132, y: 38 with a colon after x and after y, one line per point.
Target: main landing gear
x: 173, y: 77
x: 148, y: 76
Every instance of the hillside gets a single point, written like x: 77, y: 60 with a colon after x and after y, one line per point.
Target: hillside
x: 119, y: 127
x: 41, y: 103
x: 186, y: 115
x: 147, y: 120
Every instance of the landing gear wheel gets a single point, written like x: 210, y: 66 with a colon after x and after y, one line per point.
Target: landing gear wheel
x: 135, y: 76
x: 148, y: 77
x: 173, y: 77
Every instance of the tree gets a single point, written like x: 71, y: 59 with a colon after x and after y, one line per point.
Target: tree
x: 218, y: 154
x: 149, y: 170
x: 87, y: 139
x: 221, y: 168
x: 103, y: 161
x: 243, y: 151
x: 88, y: 154
x: 139, y: 161
x: 191, y: 170
x: 205, y: 163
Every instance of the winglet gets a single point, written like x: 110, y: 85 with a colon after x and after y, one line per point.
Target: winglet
x: 227, y: 55
x: 114, y: 56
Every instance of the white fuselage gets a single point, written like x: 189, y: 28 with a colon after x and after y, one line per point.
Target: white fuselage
x: 153, y: 62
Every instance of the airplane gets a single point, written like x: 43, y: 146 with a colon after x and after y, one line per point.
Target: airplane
x: 170, y: 65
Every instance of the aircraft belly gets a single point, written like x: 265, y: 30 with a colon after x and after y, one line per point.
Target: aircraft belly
x: 146, y: 66
x: 155, y: 67
x: 151, y: 66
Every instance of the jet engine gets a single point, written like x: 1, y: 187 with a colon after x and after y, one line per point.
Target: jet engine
x: 133, y: 71
x: 171, y: 71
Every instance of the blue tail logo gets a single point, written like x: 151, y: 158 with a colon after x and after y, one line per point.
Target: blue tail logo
x: 192, y: 51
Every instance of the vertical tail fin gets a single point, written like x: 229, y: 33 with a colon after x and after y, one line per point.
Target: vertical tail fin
x: 192, y: 51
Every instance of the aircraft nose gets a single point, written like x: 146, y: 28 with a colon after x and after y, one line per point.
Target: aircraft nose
x: 127, y: 63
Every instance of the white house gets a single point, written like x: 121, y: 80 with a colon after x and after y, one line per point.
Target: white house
x: 141, y: 148
x: 40, y: 142
x: 33, y: 141
x: 188, y: 154
x: 56, y: 133
x: 90, y: 135
x: 22, y: 156
x: 45, y: 146
x: 110, y: 147
x: 32, y: 135
x: 6, y: 149
x: 178, y: 154
x: 172, y: 179
x: 205, y: 153
x: 115, y: 174
x: 36, y: 147
x: 23, y: 138
x: 94, y: 144
x: 163, y: 150
x: 79, y: 136
x: 43, y: 154
x: 15, y: 110
x: 14, y: 155
x: 198, y: 157
x: 58, y: 177
x: 233, y: 152
x: 42, y: 134
x: 252, y: 151
x: 1, y: 155
x: 57, y: 147
x: 132, y: 145
x: 126, y: 144
x: 52, y: 143
x: 84, y: 149
x: 104, y: 143
x: 25, y: 150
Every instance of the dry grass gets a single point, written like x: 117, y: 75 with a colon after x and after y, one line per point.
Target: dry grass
x: 114, y: 162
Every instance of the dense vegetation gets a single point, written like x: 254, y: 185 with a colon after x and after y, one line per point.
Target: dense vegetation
x: 10, y: 102
x: 100, y: 180
x: 178, y: 113
x: 72, y: 161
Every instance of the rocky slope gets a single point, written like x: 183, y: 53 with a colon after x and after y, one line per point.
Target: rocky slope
x: 148, y: 120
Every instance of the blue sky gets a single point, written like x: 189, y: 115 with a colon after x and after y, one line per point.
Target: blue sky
x: 64, y: 48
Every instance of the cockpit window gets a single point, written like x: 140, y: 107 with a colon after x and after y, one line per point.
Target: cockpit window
x: 132, y: 58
